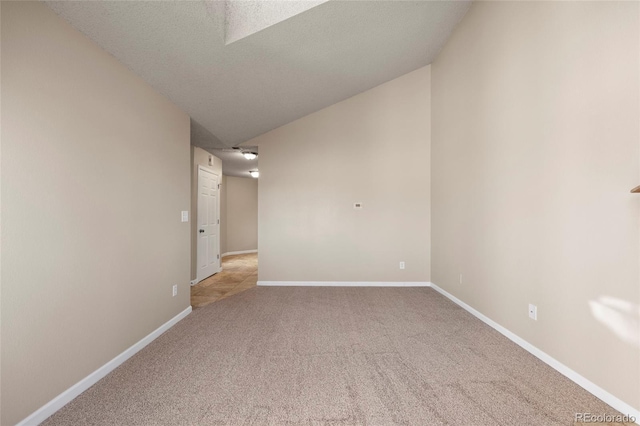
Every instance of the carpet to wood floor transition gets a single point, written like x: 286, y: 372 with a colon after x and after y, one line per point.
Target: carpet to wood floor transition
x: 331, y: 356
x: 239, y: 273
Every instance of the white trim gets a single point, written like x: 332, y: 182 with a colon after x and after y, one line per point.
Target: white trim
x: 208, y: 169
x: 344, y: 283
x: 194, y: 282
x: 67, y: 396
x: 231, y: 253
x: 583, y: 382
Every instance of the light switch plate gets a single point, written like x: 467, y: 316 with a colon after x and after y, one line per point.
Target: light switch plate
x: 185, y: 216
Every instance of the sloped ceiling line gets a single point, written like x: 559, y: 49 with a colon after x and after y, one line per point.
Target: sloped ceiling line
x: 238, y: 81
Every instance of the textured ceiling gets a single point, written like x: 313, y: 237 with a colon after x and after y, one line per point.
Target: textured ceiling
x: 234, y: 163
x: 275, y: 68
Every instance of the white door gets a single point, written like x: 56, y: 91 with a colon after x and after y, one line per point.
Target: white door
x: 208, y: 224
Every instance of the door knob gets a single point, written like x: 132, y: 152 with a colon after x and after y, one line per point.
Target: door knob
x: 201, y: 231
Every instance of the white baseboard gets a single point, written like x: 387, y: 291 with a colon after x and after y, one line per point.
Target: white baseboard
x: 231, y: 253
x: 344, y: 283
x: 580, y: 380
x: 67, y: 396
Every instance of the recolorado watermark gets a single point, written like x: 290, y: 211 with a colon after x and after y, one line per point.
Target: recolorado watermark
x: 604, y: 418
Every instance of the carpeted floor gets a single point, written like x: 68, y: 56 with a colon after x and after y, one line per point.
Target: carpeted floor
x: 331, y: 356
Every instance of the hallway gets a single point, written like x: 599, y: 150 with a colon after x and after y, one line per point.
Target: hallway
x: 239, y: 273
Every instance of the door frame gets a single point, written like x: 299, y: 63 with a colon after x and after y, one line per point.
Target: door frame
x: 217, y: 207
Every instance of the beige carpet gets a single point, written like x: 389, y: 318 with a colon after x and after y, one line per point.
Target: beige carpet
x: 331, y: 356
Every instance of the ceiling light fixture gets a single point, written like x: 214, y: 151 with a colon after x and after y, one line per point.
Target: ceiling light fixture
x: 249, y: 155
x: 254, y: 173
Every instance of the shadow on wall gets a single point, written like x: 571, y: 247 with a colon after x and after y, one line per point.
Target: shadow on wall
x: 619, y: 316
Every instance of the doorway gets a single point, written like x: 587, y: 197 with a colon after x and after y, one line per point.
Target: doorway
x: 208, y: 221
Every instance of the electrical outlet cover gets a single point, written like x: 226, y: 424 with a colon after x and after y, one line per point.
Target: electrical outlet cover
x: 533, y: 312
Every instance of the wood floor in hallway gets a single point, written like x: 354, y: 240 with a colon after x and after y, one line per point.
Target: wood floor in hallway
x: 239, y: 273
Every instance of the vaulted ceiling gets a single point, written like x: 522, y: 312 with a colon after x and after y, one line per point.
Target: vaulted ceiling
x: 242, y: 68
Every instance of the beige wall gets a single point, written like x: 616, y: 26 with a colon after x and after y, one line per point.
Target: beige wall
x: 95, y: 173
x: 241, y: 214
x: 200, y: 157
x: 535, y: 147
x: 372, y: 148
